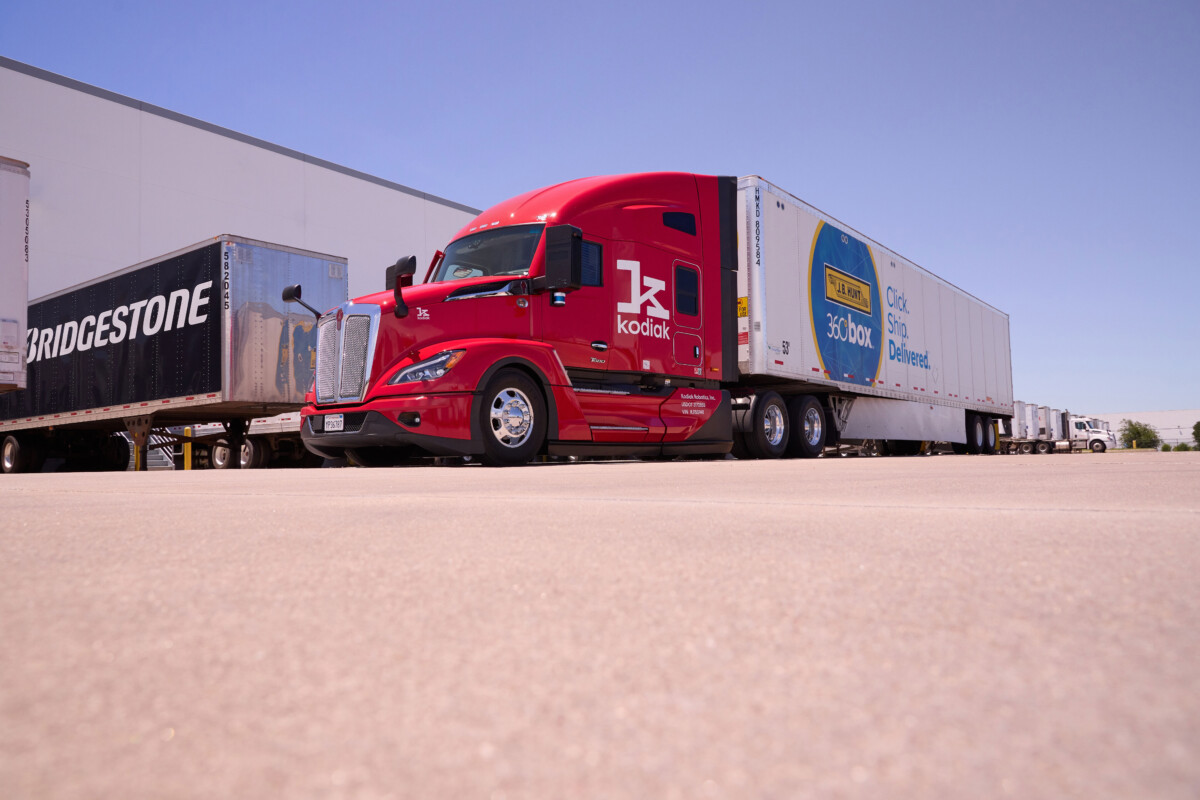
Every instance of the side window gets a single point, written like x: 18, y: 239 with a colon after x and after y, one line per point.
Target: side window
x: 687, y: 291
x: 680, y: 221
x: 593, y: 264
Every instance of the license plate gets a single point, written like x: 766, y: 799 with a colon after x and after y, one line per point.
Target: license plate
x: 334, y: 422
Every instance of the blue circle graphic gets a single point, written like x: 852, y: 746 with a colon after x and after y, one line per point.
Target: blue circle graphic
x: 847, y: 316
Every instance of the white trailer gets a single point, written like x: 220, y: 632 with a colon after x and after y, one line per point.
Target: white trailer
x: 14, y: 271
x: 910, y: 357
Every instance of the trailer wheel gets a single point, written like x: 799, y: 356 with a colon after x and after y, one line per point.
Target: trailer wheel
x: 256, y: 453
x: 809, y: 427
x: 218, y: 455
x: 13, y: 458
x: 989, y: 437
x: 975, y: 440
x: 1025, y: 448
x: 114, y: 454
x: 1042, y: 448
x: 1098, y: 446
x: 512, y: 419
x: 764, y: 426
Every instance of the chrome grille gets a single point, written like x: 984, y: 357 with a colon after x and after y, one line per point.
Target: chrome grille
x: 356, y: 331
x: 344, y: 352
x: 327, y: 360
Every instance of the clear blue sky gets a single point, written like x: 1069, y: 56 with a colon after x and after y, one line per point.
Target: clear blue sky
x: 1044, y: 156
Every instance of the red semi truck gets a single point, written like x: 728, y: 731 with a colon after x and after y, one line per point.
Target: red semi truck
x: 653, y: 315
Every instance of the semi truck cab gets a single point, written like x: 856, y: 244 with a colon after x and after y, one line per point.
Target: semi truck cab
x: 593, y: 317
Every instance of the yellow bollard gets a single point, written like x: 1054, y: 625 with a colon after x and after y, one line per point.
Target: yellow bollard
x: 187, y: 449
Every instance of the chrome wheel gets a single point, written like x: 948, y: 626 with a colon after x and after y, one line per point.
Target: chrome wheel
x: 11, y: 452
x: 774, y: 425
x: 813, y: 426
x: 511, y: 417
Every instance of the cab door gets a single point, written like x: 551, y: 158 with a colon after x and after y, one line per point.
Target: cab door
x: 582, y: 330
x: 599, y: 353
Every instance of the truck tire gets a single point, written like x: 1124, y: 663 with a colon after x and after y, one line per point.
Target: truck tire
x: 740, y: 451
x: 1025, y: 448
x: 764, y: 426
x: 114, y: 454
x: 1098, y: 446
x: 1042, y: 448
x: 975, y: 440
x: 218, y: 455
x: 989, y: 436
x: 809, y: 428
x: 256, y: 453
x: 13, y: 457
x: 512, y: 419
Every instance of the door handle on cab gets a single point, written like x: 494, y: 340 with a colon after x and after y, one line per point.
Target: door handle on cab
x: 601, y: 346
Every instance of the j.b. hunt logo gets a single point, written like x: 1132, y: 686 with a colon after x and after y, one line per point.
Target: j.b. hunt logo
x: 639, y: 296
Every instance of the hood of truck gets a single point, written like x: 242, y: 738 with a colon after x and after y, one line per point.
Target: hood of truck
x: 444, y: 312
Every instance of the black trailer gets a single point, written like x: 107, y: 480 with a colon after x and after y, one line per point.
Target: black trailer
x: 196, y: 336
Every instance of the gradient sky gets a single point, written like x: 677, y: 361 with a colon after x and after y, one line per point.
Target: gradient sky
x: 1043, y: 156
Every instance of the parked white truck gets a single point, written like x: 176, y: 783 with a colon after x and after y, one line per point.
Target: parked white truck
x: 1041, y: 429
x: 14, y: 271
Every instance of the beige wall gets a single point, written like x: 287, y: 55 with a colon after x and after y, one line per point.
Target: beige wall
x: 115, y: 182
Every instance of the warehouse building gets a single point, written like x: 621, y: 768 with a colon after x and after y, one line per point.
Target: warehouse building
x: 114, y: 181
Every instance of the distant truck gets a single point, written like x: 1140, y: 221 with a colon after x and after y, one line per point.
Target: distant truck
x: 1041, y: 429
x: 655, y: 315
x: 14, y: 271
x: 196, y: 336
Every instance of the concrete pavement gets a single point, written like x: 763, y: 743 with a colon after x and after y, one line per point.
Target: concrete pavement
x: 949, y: 626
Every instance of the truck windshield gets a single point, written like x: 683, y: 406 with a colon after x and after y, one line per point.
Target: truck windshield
x: 501, y: 251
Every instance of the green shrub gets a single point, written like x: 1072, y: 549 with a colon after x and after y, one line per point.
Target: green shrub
x: 1196, y: 433
x: 1166, y: 448
x: 1182, y: 447
x: 1145, y: 435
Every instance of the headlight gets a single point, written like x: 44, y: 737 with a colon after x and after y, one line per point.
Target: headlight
x: 429, y: 369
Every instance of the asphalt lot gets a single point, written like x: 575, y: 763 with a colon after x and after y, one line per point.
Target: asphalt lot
x: 949, y: 626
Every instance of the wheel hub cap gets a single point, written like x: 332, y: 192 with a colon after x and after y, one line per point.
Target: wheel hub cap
x: 511, y: 417
x: 773, y: 426
x: 812, y: 426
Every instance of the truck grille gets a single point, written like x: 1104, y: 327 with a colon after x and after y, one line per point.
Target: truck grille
x: 327, y: 348
x: 356, y: 331
x: 344, y: 355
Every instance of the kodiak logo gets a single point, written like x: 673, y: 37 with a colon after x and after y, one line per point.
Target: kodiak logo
x: 642, y: 291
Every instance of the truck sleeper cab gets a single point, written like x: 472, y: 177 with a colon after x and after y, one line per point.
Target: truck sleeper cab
x: 589, y: 318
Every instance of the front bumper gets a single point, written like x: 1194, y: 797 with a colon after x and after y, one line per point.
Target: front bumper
x: 438, y: 424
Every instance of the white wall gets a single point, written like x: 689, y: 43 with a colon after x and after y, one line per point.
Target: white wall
x: 1173, y: 426
x: 115, y: 182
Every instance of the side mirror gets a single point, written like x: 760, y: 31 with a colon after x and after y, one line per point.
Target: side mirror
x: 291, y: 294
x: 398, y: 276
x: 564, y: 258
